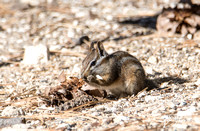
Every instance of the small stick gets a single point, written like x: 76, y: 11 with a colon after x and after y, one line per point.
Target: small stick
x: 69, y: 53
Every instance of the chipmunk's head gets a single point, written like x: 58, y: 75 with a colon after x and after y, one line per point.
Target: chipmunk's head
x: 93, y: 62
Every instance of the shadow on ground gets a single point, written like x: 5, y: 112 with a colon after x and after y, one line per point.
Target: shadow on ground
x: 171, y: 80
x: 155, y: 83
x: 4, y: 64
x: 147, y: 22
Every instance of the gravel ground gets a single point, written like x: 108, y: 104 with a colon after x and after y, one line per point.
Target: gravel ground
x: 172, y: 61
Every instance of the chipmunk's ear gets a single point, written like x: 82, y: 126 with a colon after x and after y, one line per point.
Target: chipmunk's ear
x: 92, y: 45
x: 100, y: 49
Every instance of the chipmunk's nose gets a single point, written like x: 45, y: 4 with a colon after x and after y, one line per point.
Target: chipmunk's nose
x: 84, y: 77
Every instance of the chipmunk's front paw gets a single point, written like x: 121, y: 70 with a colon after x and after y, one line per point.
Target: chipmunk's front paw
x: 90, y: 78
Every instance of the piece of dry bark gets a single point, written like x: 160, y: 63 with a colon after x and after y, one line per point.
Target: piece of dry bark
x: 184, y: 19
x: 70, y: 93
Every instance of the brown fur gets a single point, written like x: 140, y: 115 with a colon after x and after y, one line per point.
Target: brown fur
x: 120, y: 73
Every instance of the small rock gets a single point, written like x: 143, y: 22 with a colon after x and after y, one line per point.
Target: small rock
x: 109, y: 17
x: 71, y: 33
x: 64, y: 126
x: 164, y: 84
x: 36, y: 54
x: 140, y: 95
x: 100, y: 108
x: 21, y: 127
x: 113, y: 109
x: 165, y: 117
x: 76, y: 68
x: 154, y: 124
x: 55, y: 47
x: 12, y: 111
x: 172, y: 105
x: 197, y: 82
x: 196, y: 119
x: 120, y: 119
x: 82, y: 14
x: 153, y: 60
x: 11, y: 121
x: 151, y: 98
x: 183, y: 103
x: 196, y: 96
x: 107, y: 121
x: 31, y: 2
x: 189, y: 36
x: 180, y: 126
x: 149, y: 70
x: 188, y: 112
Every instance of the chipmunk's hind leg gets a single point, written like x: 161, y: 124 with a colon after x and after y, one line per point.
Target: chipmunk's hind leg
x: 135, y: 81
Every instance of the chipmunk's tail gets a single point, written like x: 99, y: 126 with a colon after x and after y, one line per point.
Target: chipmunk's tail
x: 150, y: 84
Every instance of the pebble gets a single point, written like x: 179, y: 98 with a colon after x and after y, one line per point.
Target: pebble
x: 11, y: 121
x: 12, y: 111
x: 172, y: 105
x: 141, y: 94
x: 107, y: 121
x: 188, y: 112
x: 189, y: 36
x: 149, y: 70
x: 151, y: 98
x: 76, y: 68
x: 196, y: 96
x: 119, y: 119
x: 64, y: 125
x: 153, y: 60
x: 197, y: 82
x: 71, y: 33
x: 183, y: 103
x: 36, y: 54
x: 197, y: 119
x: 180, y: 126
x: 165, y: 117
x: 31, y: 2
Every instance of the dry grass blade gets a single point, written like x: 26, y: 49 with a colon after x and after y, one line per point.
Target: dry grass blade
x: 156, y: 35
x: 28, y: 102
x: 4, y: 9
x: 62, y: 115
x: 135, y: 97
x: 8, y: 84
x: 90, y: 104
x: 69, y: 53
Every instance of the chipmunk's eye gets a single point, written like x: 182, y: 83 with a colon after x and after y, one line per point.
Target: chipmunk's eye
x: 93, y: 63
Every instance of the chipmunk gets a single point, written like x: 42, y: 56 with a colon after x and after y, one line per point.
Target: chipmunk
x: 119, y: 73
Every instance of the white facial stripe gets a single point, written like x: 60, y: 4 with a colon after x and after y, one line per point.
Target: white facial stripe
x: 99, y: 77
